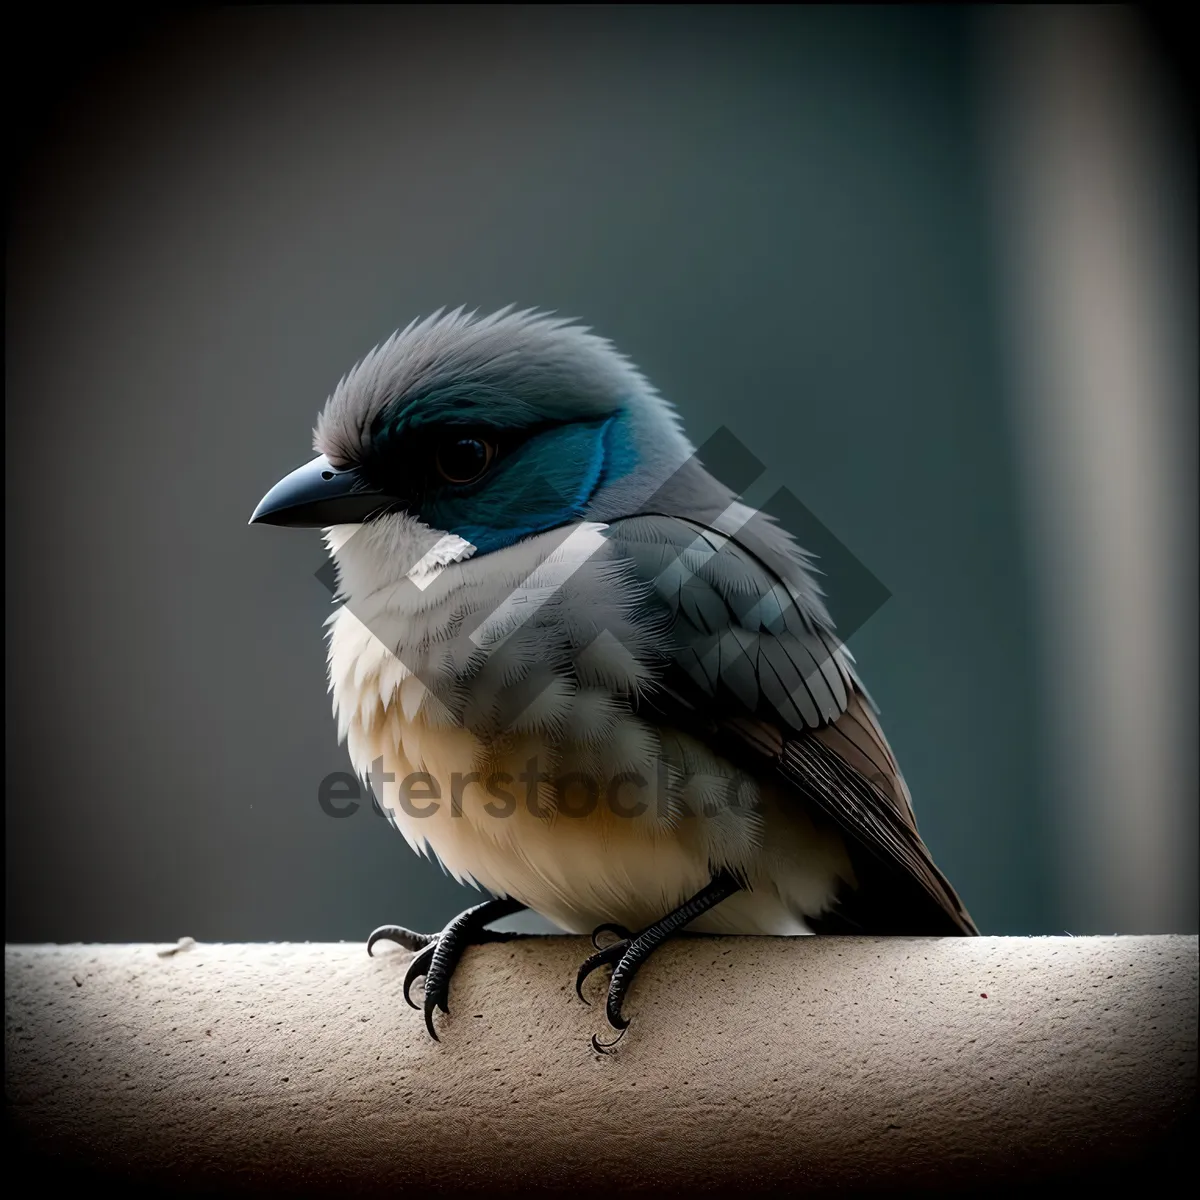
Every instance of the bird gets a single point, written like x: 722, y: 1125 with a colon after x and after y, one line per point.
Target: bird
x: 580, y: 672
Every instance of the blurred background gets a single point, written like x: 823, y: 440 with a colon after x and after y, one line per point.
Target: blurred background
x: 935, y: 267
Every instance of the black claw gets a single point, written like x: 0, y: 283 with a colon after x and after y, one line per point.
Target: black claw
x: 437, y: 979
x: 437, y: 963
x: 622, y: 977
x: 418, y: 968
x: 607, y: 1047
x: 429, y: 1007
x: 610, y: 956
x: 619, y: 930
x: 612, y: 1010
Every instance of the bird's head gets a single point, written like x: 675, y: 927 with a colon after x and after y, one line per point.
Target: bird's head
x: 489, y: 429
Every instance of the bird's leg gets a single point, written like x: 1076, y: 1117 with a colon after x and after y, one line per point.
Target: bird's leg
x: 626, y: 955
x: 437, y: 954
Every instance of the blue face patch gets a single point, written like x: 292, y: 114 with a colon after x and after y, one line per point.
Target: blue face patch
x: 536, y: 484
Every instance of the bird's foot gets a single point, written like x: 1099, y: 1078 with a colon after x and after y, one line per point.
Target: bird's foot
x: 437, y: 954
x: 627, y: 954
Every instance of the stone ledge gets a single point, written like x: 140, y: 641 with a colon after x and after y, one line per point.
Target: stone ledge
x: 807, y: 1063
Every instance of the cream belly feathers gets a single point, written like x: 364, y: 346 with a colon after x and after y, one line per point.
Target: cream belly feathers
x: 432, y: 670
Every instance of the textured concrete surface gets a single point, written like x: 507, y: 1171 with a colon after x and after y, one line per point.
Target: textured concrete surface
x: 807, y: 1063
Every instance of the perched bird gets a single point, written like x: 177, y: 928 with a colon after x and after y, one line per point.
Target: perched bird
x: 580, y: 672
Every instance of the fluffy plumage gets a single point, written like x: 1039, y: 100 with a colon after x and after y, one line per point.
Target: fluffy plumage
x: 602, y: 607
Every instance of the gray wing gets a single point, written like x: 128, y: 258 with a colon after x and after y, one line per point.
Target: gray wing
x: 755, y: 667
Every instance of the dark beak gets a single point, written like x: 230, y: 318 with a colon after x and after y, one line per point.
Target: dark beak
x: 317, y: 495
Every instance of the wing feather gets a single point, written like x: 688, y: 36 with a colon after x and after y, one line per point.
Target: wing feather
x: 756, y: 670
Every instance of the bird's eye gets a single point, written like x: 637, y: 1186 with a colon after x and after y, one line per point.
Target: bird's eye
x: 463, y: 459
